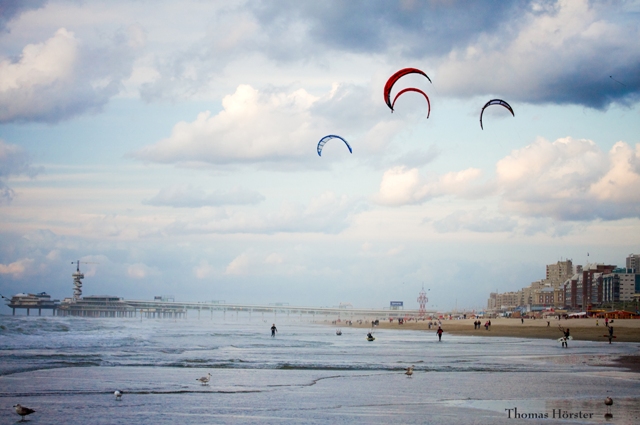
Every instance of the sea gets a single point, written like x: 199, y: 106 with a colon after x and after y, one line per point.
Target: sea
x: 67, y: 369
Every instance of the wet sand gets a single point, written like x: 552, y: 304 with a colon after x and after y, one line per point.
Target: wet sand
x: 625, y: 330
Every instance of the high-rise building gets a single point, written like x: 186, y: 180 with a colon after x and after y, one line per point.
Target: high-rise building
x: 558, y: 273
x: 633, y: 262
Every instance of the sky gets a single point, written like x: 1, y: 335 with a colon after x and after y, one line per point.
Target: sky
x: 170, y: 147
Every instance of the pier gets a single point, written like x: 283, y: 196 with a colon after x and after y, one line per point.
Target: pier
x: 165, y: 307
x: 112, y: 306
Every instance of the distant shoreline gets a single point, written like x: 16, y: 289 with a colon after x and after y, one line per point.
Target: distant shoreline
x: 625, y: 330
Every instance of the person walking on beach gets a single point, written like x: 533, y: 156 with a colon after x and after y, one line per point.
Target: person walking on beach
x: 439, y: 332
x: 522, y: 320
x: 273, y: 330
x: 565, y: 338
x: 610, y: 334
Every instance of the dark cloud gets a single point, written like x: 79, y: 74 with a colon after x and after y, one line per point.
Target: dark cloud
x: 10, y: 9
x: 414, y: 28
x: 187, y: 196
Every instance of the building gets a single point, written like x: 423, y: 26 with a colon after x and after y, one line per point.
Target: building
x: 558, y: 273
x: 633, y: 262
x: 620, y: 285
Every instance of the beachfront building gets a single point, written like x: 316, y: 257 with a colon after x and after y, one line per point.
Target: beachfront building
x: 558, y: 273
x: 503, y: 302
x: 491, y: 302
x: 620, y: 285
x: 633, y: 262
x: 573, y: 297
x: 549, y: 296
x: 586, y: 288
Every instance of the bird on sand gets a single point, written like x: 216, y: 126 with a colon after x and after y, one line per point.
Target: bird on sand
x: 409, y: 371
x: 118, y: 394
x: 205, y: 379
x: 23, y: 411
x: 608, y: 402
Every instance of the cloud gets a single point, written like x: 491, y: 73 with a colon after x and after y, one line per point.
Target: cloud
x: 6, y: 194
x: 239, y: 265
x: 571, y: 179
x: 270, y: 126
x: 561, y: 53
x: 17, y: 268
x: 14, y: 161
x: 253, y: 126
x: 481, y: 221
x: 327, y: 213
x: 407, y: 28
x: 203, y: 270
x: 567, y: 180
x: 141, y: 271
x: 187, y: 196
x: 61, y: 78
x: 10, y: 9
x: 529, y: 51
x: 405, y: 186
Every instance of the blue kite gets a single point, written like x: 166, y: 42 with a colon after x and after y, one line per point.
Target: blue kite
x: 325, y: 139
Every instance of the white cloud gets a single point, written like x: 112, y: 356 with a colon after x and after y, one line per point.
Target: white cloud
x: 60, y: 78
x: 405, y: 186
x: 571, y: 179
x: 274, y: 258
x: 17, y: 268
x: 555, y: 55
x: 204, y: 270
x: 239, y: 265
x: 276, y: 126
x: 253, y: 126
x: 327, y: 213
x: 140, y: 271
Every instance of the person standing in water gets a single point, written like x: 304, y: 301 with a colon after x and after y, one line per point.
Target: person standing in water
x: 273, y: 330
x: 566, y: 336
x: 610, y: 333
x: 439, y: 332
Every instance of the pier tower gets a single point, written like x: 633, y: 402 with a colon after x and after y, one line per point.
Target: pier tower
x: 422, y: 301
x: 77, y: 282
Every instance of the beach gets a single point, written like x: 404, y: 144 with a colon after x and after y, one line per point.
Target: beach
x: 625, y: 330
x: 67, y: 369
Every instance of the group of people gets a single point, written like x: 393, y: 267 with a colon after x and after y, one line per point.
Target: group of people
x: 477, y: 324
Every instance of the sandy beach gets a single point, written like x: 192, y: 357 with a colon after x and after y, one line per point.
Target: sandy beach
x: 581, y: 329
x: 625, y: 330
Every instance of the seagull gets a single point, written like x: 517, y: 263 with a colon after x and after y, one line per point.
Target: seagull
x: 608, y: 402
x: 409, y: 371
x: 205, y: 379
x: 118, y: 394
x: 23, y: 411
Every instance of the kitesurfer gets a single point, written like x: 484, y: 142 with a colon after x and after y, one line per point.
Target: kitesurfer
x: 273, y: 330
